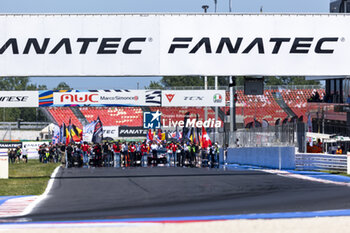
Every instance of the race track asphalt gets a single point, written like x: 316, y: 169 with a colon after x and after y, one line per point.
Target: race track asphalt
x: 117, y: 193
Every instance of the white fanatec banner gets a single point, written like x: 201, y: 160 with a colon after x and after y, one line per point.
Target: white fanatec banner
x: 194, y: 98
x: 19, y: 99
x: 107, y: 98
x: 174, y: 44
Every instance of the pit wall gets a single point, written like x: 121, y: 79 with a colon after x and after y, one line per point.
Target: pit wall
x: 269, y: 157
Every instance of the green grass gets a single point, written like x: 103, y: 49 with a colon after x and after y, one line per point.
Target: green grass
x: 27, y: 179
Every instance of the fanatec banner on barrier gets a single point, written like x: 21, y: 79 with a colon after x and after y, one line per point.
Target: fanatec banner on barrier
x: 174, y: 44
x: 15, y: 99
x: 193, y: 98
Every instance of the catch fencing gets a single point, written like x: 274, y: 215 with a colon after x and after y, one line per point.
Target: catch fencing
x: 280, y: 135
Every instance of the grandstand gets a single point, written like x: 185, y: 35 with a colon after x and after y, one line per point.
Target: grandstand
x: 276, y: 103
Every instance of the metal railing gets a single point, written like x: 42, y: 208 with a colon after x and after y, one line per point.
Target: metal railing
x: 23, y: 125
x: 319, y: 162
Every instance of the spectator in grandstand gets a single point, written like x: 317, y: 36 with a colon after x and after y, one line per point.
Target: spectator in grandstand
x: 85, y: 149
x: 339, y: 151
x: 315, y: 97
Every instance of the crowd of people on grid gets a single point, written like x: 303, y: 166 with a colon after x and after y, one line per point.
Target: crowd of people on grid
x: 124, y: 154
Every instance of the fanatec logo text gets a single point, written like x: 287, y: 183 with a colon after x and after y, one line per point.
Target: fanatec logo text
x: 134, y: 45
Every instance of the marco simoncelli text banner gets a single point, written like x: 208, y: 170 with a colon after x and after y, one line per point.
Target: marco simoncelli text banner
x: 193, y: 98
x: 19, y: 99
x: 98, y: 98
x: 174, y: 44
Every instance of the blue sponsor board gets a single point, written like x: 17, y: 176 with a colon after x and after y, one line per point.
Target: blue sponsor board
x: 152, y: 120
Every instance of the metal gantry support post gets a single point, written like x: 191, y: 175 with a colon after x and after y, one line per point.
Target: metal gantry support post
x: 216, y: 109
x: 205, y: 88
x: 232, y: 104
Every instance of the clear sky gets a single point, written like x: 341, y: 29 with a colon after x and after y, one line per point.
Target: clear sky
x: 134, y: 6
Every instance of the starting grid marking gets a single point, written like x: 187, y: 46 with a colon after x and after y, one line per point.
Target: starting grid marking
x: 15, y: 206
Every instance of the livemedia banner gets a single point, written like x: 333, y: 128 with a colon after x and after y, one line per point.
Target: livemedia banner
x: 193, y: 98
x: 174, y: 44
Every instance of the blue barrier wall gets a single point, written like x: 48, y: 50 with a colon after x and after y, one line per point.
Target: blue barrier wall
x: 270, y: 157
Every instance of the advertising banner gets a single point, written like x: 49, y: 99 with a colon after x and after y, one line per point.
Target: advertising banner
x: 97, y: 98
x: 32, y: 148
x: 174, y: 44
x: 19, y: 99
x: 125, y: 131
x: 110, y: 132
x: 10, y: 145
x: 193, y: 98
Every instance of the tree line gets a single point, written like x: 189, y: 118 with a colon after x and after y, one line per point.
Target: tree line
x: 25, y: 114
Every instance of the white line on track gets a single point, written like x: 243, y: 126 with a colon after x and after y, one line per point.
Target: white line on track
x: 303, y: 177
x: 30, y: 207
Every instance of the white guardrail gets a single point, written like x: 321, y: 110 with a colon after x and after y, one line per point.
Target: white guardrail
x: 329, y: 162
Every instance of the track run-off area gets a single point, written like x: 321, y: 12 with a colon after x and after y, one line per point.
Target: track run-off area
x: 166, y: 198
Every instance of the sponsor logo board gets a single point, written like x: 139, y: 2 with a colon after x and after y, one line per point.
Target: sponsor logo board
x: 19, y: 99
x: 125, y: 131
x: 152, y: 120
x: 193, y: 98
x: 110, y: 132
x: 170, y: 45
x: 106, y: 98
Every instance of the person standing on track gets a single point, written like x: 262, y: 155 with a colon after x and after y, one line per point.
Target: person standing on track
x: 69, y: 157
x: 132, y: 150
x: 107, y: 154
x: 154, y: 149
x: 85, y: 150
x: 116, y: 152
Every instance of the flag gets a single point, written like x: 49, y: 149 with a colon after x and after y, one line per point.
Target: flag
x: 56, y: 134
x: 98, y: 131
x: 265, y: 123
x: 249, y: 125
x: 76, y: 133
x: 163, y: 137
x: 188, y: 135
x: 63, y: 133
x: 177, y: 134
x: 257, y: 124
x: 206, y: 142
x: 88, y: 131
x: 186, y: 130
x: 159, y: 135
x: 278, y: 121
x: 68, y: 138
x: 149, y: 135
